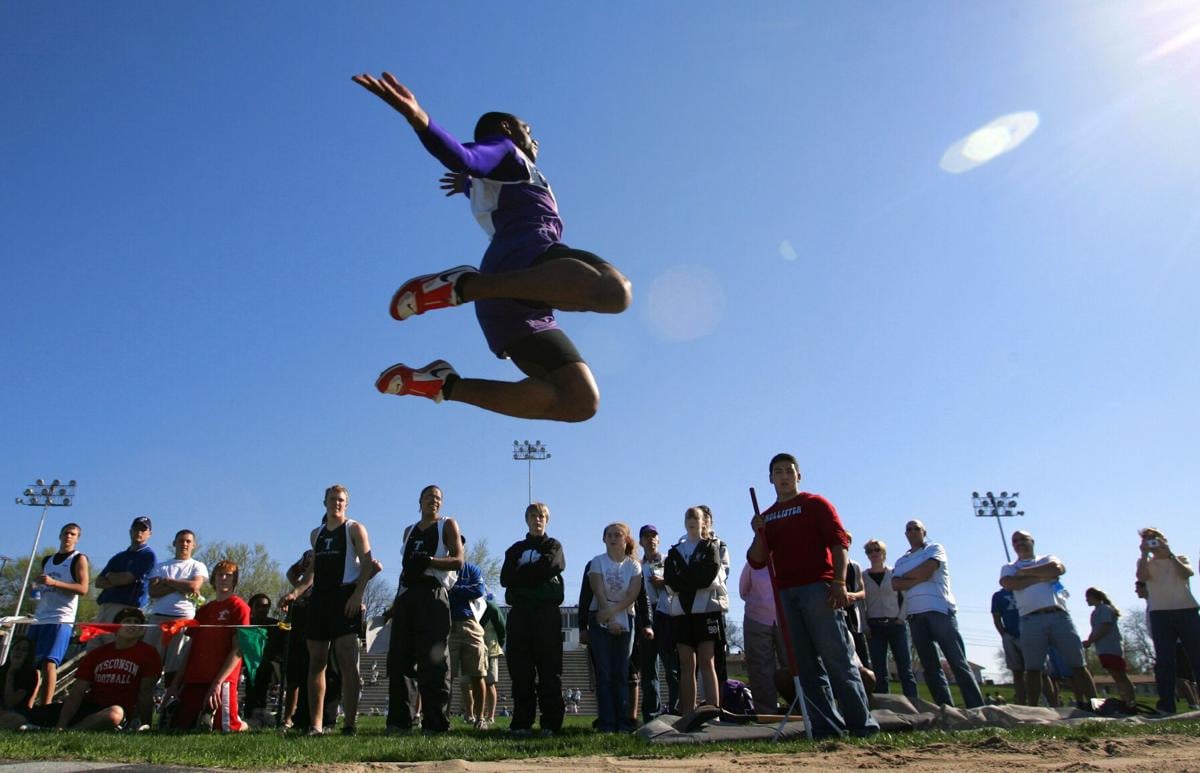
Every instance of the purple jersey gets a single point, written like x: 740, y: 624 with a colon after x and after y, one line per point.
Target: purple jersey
x: 510, y: 198
x: 513, y: 203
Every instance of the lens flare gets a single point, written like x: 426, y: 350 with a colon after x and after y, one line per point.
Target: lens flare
x: 684, y: 303
x: 989, y: 142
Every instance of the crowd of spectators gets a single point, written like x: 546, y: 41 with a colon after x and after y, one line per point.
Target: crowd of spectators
x: 814, y: 619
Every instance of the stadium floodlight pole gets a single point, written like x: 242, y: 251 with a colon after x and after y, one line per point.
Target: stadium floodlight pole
x: 991, y: 506
x: 43, y: 495
x: 524, y: 451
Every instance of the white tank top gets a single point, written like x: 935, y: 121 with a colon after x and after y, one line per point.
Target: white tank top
x: 58, y: 606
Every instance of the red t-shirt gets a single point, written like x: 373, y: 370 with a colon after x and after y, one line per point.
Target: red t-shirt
x: 800, y: 533
x: 210, y: 646
x: 116, y: 675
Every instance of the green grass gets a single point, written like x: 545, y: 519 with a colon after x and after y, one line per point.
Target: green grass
x: 269, y: 749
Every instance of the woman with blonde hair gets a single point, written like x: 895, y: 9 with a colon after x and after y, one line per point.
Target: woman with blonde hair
x: 886, y: 625
x: 615, y: 578
x: 1174, y: 613
x: 1106, y: 638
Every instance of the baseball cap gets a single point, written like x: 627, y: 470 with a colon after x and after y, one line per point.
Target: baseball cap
x: 141, y: 522
x: 647, y: 528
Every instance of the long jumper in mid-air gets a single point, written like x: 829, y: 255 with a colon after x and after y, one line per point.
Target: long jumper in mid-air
x: 526, y: 273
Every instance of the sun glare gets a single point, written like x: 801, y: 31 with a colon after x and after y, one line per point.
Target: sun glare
x: 1189, y: 36
x: 684, y: 303
x: 989, y: 141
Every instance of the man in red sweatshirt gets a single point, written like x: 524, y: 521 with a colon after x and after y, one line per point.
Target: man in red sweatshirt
x: 802, y: 539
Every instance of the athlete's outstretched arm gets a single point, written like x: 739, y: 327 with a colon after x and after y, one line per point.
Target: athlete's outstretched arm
x: 490, y: 159
x: 397, y: 95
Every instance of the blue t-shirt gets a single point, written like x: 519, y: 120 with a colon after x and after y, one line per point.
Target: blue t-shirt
x: 466, y: 594
x: 1004, y: 603
x: 139, y: 562
x: 510, y: 198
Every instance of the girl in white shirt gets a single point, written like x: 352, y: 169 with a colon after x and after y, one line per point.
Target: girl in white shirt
x: 616, y: 580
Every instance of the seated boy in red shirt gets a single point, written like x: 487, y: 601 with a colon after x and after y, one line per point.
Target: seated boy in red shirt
x: 112, y: 684
x: 208, y: 680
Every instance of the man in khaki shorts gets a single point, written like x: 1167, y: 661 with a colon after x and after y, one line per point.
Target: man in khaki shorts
x: 468, y: 652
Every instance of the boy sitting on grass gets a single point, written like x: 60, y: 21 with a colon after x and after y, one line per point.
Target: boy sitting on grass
x: 114, y: 684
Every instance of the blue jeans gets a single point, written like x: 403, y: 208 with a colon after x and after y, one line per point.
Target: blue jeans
x: 661, y: 647
x: 893, y: 635
x: 610, y: 655
x: 1166, y: 627
x: 931, y: 630
x: 818, y: 634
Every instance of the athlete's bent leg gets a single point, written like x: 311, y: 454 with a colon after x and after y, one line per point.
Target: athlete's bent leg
x: 559, y: 387
x: 565, y: 283
x: 569, y: 393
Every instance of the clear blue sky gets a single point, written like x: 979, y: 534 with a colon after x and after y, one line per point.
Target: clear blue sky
x: 203, y: 220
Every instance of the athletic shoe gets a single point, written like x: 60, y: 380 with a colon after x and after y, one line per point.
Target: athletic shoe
x: 350, y: 730
x: 425, y: 382
x: 429, y: 292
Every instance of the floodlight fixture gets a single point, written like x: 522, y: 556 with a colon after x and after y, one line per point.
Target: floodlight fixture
x: 991, y: 506
x: 525, y: 451
x: 45, y: 497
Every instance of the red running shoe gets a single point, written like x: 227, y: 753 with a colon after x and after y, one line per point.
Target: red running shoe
x: 425, y: 293
x: 425, y: 382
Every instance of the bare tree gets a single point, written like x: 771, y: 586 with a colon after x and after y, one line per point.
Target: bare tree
x: 377, y: 596
x: 257, y: 571
x: 733, y: 635
x: 489, y: 566
x: 1135, y: 636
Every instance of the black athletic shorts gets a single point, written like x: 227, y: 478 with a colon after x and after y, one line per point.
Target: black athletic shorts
x: 327, y: 615
x: 540, y: 353
x: 505, y: 321
x: 696, y: 628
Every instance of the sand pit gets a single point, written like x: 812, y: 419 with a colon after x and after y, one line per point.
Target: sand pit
x: 1159, y: 753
